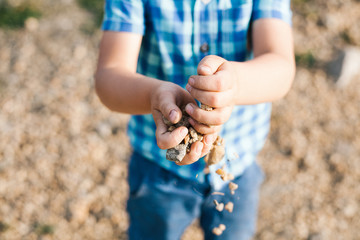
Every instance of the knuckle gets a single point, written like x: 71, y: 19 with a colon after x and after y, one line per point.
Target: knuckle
x: 214, y: 130
x: 194, y: 93
x: 212, y: 57
x: 221, y: 119
x: 214, y: 101
x: 219, y: 84
x: 208, y: 58
x: 225, y: 64
x: 161, y: 144
x: 198, y: 127
x: 198, y: 115
x: 162, y: 106
x: 201, y: 129
x: 204, y: 129
x: 218, y: 120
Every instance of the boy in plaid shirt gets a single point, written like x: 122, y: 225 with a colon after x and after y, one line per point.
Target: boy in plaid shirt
x: 156, y: 58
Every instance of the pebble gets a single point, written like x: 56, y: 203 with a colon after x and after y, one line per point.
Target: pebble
x: 346, y: 66
x: 32, y: 24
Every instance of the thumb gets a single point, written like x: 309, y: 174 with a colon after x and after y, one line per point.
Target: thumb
x: 210, y: 65
x: 170, y: 110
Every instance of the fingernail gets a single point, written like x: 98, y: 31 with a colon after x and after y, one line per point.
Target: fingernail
x: 188, y: 87
x: 205, y: 69
x: 183, y: 132
x: 173, y: 115
x: 208, y: 139
x: 189, y: 109
x: 191, y: 81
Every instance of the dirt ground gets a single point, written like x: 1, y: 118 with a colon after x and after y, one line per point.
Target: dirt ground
x: 63, y: 155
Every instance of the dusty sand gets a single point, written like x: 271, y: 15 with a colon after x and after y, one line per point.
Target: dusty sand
x: 63, y: 156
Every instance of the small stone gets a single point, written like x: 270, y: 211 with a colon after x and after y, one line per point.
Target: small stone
x: 222, y: 227
x: 217, y: 231
x: 187, y: 139
x: 228, y: 177
x: 193, y: 133
x: 346, y: 66
x: 229, y: 207
x: 218, y: 193
x: 220, y: 172
x: 167, y: 122
x: 171, y: 128
x: 206, y: 107
x: 220, y: 207
x: 233, y: 187
x: 176, y: 153
x: 217, y: 152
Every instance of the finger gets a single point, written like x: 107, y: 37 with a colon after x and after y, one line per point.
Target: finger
x: 208, y: 141
x: 203, y: 128
x: 164, y: 138
x: 215, y: 83
x: 169, y: 109
x: 213, y: 99
x: 193, y: 155
x: 209, y: 65
x: 217, y: 116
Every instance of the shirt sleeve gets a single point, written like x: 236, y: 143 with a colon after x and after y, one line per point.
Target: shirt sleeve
x: 279, y: 9
x: 124, y: 16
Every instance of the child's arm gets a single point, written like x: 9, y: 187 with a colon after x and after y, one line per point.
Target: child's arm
x: 266, y: 78
x: 117, y: 84
x: 121, y: 89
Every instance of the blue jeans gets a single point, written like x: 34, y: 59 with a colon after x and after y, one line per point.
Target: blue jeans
x: 161, y: 205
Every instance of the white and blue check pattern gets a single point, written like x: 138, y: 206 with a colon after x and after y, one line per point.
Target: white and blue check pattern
x: 173, y: 33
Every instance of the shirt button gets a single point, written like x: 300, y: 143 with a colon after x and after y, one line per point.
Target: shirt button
x: 204, y: 48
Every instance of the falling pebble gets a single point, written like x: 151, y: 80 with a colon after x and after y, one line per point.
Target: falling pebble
x: 220, y: 207
x: 229, y: 207
x: 217, y: 231
x: 233, y: 187
x: 222, y: 227
x: 218, y: 193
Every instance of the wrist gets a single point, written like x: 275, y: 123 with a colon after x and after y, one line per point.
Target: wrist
x: 240, y: 76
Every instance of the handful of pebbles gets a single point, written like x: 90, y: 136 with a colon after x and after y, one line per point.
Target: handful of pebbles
x: 177, y: 153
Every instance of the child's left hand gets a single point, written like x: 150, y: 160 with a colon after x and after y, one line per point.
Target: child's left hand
x: 215, y: 85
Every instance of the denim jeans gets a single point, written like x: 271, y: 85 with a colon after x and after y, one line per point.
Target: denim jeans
x: 161, y: 205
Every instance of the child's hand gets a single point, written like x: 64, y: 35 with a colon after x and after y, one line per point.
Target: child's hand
x: 166, y: 100
x: 216, y: 86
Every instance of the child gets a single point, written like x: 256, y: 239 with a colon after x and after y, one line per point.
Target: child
x: 156, y: 58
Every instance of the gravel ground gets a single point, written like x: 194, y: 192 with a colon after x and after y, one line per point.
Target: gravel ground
x: 63, y: 156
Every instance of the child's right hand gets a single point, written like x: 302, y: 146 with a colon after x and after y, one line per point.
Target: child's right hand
x: 166, y: 100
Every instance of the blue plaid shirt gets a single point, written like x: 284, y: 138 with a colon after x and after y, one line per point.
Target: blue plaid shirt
x: 174, y: 32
